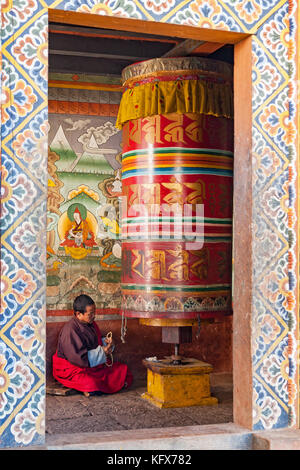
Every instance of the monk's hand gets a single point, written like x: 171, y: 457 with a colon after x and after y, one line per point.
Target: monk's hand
x: 109, y: 341
x: 107, y: 349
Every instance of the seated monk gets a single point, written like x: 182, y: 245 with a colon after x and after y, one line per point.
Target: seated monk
x: 81, y: 355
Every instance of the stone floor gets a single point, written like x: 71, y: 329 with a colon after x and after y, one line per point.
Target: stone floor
x: 127, y: 410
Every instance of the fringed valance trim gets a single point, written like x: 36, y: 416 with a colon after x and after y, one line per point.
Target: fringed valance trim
x: 175, y: 64
x: 185, y: 96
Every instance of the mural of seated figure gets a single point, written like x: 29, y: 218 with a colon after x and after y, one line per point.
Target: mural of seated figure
x: 79, y: 237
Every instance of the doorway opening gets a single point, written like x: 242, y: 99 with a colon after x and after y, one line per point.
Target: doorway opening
x: 84, y: 164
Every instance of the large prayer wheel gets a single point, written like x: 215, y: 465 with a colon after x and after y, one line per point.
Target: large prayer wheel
x: 177, y: 163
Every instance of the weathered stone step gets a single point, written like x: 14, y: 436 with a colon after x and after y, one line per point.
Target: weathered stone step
x: 210, y: 437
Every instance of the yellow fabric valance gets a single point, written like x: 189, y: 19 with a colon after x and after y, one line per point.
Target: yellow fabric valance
x: 184, y: 96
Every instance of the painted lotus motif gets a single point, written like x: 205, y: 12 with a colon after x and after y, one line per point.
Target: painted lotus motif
x: 250, y: 11
x: 120, y: 8
x: 17, y: 192
x: 265, y: 242
x: 266, y: 410
x: 14, y: 13
x: 266, y: 161
x: 31, y: 241
x: 16, y: 380
x: 17, y: 98
x: 31, y: 50
x: 276, y: 120
x: 266, y: 328
x: 275, y: 371
x: 29, y: 334
x: 205, y: 14
x: 17, y: 286
x: 269, y: 329
x: 158, y: 7
x: 29, y: 424
x: 265, y: 76
x: 276, y: 35
x: 31, y: 146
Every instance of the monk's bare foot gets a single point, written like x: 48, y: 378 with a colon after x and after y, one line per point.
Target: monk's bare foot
x: 86, y: 394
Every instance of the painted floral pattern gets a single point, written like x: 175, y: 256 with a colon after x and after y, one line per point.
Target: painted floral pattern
x: 275, y: 371
x: 16, y: 380
x: 277, y: 120
x: 266, y: 241
x: 31, y: 241
x: 14, y: 13
x: 266, y: 330
x: 17, y: 98
x: 158, y: 7
x: 29, y: 424
x: 266, y: 410
x: 250, y: 11
x: 205, y: 14
x: 123, y: 8
x: 275, y: 201
x: 17, y: 286
x: 17, y: 192
x: 29, y: 334
x: 31, y: 145
x: 277, y: 38
x: 276, y: 197
x: 272, y: 285
x: 31, y: 50
x: 265, y: 76
x: 266, y: 161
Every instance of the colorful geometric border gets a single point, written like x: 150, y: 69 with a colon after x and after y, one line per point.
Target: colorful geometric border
x: 23, y: 189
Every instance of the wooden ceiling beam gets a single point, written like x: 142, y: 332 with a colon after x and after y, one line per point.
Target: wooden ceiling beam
x: 184, y: 48
x: 207, y: 48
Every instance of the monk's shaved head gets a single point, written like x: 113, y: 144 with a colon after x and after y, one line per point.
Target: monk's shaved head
x: 81, y: 302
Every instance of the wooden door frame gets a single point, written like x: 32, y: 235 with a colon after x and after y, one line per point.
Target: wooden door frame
x: 242, y: 180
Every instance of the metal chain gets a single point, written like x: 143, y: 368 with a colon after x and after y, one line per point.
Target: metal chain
x: 109, y: 364
x: 123, y: 328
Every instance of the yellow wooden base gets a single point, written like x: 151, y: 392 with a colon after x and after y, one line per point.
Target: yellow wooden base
x: 203, y: 402
x: 171, y: 386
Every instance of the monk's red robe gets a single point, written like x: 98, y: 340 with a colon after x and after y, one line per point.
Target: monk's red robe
x: 70, y: 362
